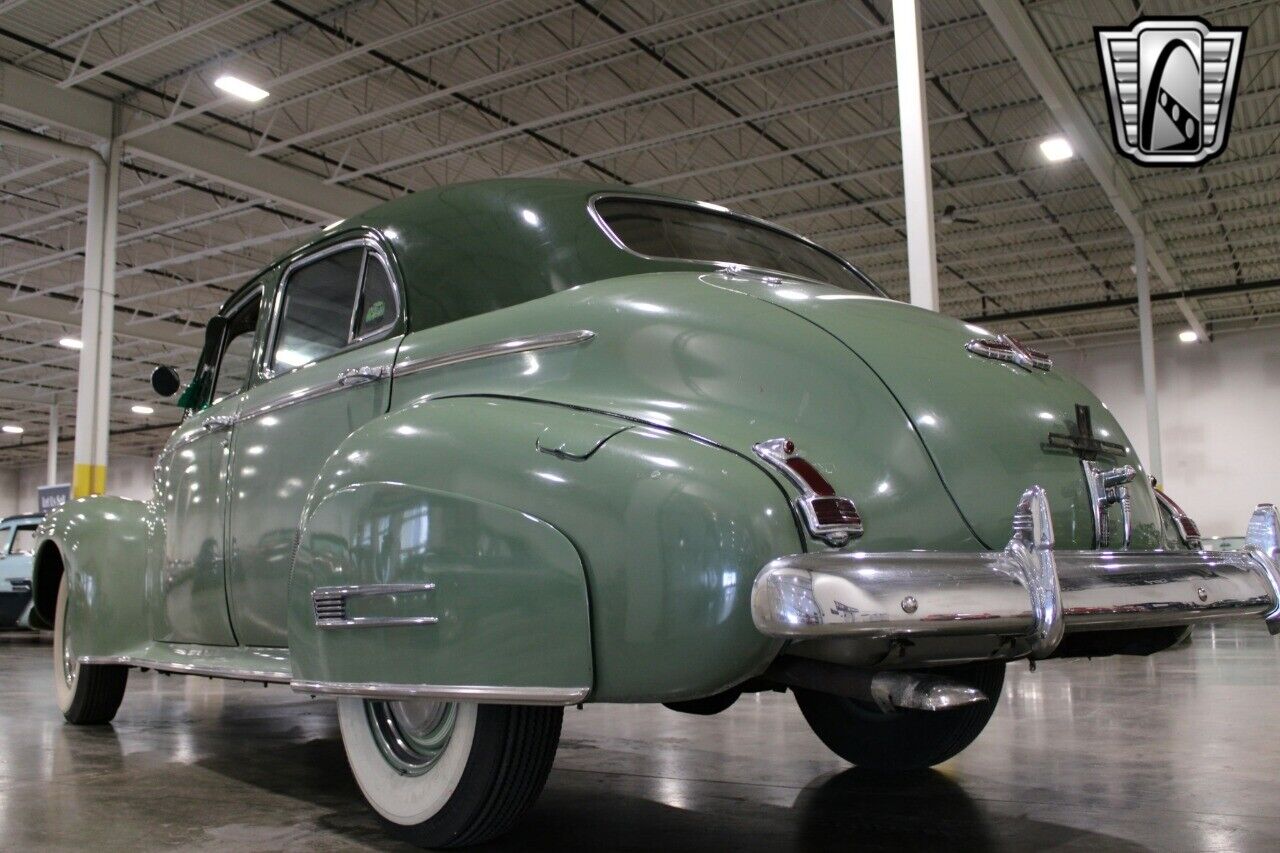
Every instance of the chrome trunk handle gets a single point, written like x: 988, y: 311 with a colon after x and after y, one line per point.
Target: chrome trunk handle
x: 360, y: 375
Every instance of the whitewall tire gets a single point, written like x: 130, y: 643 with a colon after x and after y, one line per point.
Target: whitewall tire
x: 445, y: 774
x: 87, y: 694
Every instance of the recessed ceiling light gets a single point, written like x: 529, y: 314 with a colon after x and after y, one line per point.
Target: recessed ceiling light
x: 71, y: 343
x: 240, y: 88
x: 1056, y: 149
x: 1188, y: 336
x: 142, y: 410
x: 12, y: 429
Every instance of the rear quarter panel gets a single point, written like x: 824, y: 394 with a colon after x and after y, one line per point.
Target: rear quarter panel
x: 668, y: 533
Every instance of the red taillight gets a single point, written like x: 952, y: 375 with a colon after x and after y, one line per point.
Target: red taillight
x: 829, y: 517
x: 812, y: 479
x: 835, y: 511
x: 1188, y: 530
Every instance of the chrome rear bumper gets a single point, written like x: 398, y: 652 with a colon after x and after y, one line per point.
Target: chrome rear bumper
x: 1027, y: 592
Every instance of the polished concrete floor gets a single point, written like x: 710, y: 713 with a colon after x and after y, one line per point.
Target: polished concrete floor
x: 1174, y: 752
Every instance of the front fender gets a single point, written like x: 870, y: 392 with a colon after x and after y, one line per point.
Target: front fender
x: 103, y: 544
x: 667, y: 533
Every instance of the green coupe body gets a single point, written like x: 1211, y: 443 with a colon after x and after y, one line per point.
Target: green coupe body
x: 526, y: 465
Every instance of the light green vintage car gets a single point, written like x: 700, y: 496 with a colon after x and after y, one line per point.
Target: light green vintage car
x: 503, y: 447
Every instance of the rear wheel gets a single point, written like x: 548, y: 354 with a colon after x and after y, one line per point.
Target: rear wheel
x: 864, y: 735
x: 87, y: 694
x: 444, y: 774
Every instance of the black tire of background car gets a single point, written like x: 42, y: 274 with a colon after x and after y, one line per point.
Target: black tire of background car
x: 99, y: 691
x: 902, y: 740
x: 511, y: 755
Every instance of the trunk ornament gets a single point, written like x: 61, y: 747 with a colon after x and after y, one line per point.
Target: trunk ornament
x: 1109, y: 486
x: 1006, y: 348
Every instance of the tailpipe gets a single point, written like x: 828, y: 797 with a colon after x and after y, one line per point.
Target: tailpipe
x: 888, y: 690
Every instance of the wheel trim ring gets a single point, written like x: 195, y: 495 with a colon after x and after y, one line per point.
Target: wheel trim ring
x: 408, y: 754
x: 70, y: 666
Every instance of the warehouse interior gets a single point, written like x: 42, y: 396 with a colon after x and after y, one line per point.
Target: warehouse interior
x: 156, y: 154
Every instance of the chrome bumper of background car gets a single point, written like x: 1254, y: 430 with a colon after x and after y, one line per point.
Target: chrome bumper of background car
x: 1027, y: 591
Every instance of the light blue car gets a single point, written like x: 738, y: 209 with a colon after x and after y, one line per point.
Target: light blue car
x: 17, y: 538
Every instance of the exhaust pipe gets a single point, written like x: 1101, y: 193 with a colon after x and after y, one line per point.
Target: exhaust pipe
x: 886, y: 689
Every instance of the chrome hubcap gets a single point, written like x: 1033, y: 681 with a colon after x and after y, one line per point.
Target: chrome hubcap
x: 69, y: 664
x: 412, y: 734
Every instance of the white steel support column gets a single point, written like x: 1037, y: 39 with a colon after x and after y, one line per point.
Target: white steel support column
x: 93, y: 393
x: 51, y: 467
x: 1148, y: 353
x: 917, y: 183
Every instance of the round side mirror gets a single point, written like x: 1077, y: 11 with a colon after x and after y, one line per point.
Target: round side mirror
x: 165, y: 381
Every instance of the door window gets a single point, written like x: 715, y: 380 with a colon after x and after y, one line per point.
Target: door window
x: 316, y: 319
x: 377, y: 299
x: 331, y: 302
x: 236, y: 360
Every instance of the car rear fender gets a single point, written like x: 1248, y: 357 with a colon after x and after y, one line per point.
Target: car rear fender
x: 565, y: 550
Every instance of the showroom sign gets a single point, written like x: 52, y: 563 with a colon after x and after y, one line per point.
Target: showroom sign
x: 1171, y: 83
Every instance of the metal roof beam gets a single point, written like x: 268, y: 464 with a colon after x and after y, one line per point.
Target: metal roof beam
x: 35, y: 98
x: 60, y: 311
x: 1023, y: 40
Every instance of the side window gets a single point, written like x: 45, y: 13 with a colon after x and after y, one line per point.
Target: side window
x: 316, y: 318
x: 236, y: 360
x: 24, y: 540
x: 377, y: 308
x: 329, y: 303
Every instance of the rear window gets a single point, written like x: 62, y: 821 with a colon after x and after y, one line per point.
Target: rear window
x: 682, y: 232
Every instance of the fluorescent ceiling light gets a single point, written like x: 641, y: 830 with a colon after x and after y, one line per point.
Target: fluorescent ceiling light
x: 143, y: 410
x: 1056, y: 149
x: 12, y: 429
x: 1188, y: 336
x: 241, y: 89
x: 71, y: 343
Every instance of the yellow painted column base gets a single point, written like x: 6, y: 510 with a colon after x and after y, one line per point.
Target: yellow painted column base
x: 88, y: 480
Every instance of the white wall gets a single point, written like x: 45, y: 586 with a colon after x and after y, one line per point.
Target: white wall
x: 1219, y: 418
x: 127, y: 476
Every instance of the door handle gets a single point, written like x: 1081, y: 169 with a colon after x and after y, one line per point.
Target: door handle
x: 218, y: 423
x: 360, y: 375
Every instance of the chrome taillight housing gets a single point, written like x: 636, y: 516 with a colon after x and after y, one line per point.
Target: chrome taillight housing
x: 1188, y: 530
x: 827, y: 516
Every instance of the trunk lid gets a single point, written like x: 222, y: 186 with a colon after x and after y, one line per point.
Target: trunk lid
x: 984, y: 423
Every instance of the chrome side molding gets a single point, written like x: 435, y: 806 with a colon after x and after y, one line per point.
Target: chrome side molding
x: 207, y: 670
x: 329, y: 604
x: 509, y: 346
x: 452, y: 692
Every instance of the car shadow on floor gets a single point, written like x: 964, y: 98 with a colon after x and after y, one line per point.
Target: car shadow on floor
x: 587, y: 810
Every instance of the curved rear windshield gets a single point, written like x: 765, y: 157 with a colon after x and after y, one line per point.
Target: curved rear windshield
x: 682, y: 232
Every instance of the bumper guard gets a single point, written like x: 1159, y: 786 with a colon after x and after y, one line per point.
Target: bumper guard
x: 1028, y: 591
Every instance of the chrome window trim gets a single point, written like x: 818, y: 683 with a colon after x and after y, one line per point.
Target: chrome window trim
x: 457, y: 693
x: 722, y: 266
x: 233, y: 673
x: 508, y: 346
x: 369, y: 244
